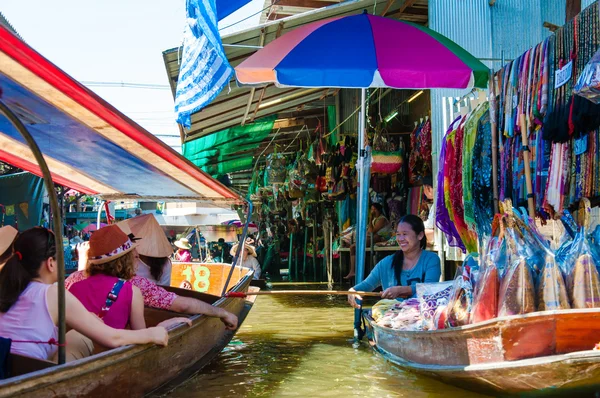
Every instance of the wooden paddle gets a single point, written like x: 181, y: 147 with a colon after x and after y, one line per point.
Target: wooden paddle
x: 300, y: 293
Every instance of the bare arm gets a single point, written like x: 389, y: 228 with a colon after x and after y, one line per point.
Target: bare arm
x: 136, y: 318
x: 91, y: 326
x: 189, y: 305
x: 381, y: 223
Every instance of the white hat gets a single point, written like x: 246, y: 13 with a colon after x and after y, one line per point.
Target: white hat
x: 8, y: 235
x: 183, y: 243
x: 250, y: 248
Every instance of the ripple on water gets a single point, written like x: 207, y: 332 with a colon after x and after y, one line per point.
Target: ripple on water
x: 299, y: 346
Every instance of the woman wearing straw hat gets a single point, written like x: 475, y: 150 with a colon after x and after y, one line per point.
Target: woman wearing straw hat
x: 248, y: 258
x: 183, y: 254
x: 8, y: 235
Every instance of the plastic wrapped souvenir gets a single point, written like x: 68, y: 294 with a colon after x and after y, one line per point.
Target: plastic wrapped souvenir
x: 431, y: 296
x: 276, y: 171
x: 381, y: 307
x: 485, y: 298
x: 439, y: 318
x: 585, y: 283
x: 461, y: 299
x: 552, y: 291
x: 588, y: 84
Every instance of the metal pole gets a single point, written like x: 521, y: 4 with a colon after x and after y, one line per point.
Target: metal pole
x: 99, y: 215
x: 361, y: 225
x: 290, y: 254
x: 304, y: 251
x: 239, y: 249
x: 57, y: 225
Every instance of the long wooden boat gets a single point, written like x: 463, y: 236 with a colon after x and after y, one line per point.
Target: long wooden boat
x: 197, y: 273
x: 136, y: 370
x: 541, y: 353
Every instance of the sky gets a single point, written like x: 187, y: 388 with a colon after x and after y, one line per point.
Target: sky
x: 104, y: 41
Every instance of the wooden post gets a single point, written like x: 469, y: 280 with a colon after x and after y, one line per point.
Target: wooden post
x: 290, y: 255
x: 315, y: 248
x: 494, y: 125
x: 304, y: 251
x: 527, y: 160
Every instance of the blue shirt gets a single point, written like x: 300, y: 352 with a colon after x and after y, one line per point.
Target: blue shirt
x: 427, y: 270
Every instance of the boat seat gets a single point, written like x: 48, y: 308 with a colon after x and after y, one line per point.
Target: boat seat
x: 154, y: 316
x: 20, y: 364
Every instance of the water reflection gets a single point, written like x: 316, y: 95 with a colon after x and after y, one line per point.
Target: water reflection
x: 300, y: 347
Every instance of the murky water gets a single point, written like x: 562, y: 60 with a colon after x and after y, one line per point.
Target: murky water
x: 301, y: 346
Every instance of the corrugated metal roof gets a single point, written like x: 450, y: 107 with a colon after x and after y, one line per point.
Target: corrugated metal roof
x: 230, y: 107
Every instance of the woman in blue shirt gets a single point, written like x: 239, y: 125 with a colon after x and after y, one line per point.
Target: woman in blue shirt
x: 399, y: 273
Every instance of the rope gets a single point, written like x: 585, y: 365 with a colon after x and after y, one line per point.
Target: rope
x: 52, y: 341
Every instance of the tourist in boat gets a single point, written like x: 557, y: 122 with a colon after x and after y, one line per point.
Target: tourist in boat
x: 249, y: 259
x: 183, y: 253
x: 153, y: 248
x: 8, y: 235
x: 380, y: 227
x: 29, y: 305
x: 157, y: 297
x: 399, y: 273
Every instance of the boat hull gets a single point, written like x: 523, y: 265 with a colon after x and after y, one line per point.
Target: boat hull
x: 137, y: 370
x: 543, y: 353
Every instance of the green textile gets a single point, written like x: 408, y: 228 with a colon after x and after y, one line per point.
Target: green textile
x: 467, y: 162
x: 216, y: 153
x: 331, y: 124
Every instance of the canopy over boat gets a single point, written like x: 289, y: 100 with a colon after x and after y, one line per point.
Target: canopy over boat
x: 89, y: 145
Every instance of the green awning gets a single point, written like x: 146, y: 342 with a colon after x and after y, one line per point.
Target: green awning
x: 216, y: 153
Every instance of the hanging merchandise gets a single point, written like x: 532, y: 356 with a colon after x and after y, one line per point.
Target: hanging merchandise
x: 385, y: 157
x: 275, y: 169
x: 588, y: 84
x: 419, y: 162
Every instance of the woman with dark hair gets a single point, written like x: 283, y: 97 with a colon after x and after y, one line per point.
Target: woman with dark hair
x: 29, y: 304
x: 399, y: 273
x: 381, y: 229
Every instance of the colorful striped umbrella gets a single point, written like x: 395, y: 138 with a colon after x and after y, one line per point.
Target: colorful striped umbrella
x: 361, y: 51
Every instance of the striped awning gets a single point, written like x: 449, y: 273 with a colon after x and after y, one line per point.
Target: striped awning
x: 89, y: 145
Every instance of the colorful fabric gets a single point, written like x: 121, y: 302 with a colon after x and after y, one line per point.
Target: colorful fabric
x: 205, y: 69
x: 367, y: 54
x: 483, y: 193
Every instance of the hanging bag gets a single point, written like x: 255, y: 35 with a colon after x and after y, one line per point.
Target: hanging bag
x: 385, y: 158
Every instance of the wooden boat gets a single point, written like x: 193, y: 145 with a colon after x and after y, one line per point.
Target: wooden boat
x: 541, y: 353
x: 136, y: 370
x: 197, y: 273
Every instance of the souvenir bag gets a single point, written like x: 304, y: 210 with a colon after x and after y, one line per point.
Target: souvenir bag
x: 385, y: 159
x: 460, y: 302
x: 485, y: 298
x: 276, y: 171
x: 431, y: 296
x: 517, y: 291
x: 588, y: 84
x: 583, y: 280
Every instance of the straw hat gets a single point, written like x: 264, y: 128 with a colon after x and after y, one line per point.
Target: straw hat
x: 153, y: 241
x: 7, y: 237
x: 251, y: 250
x: 183, y: 243
x: 109, y: 243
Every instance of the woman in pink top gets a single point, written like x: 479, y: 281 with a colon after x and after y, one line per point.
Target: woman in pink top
x: 29, y: 304
x: 183, y: 253
x: 108, y: 292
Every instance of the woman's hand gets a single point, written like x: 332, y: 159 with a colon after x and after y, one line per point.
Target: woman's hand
x: 158, y: 335
x: 82, y: 254
x: 396, y: 291
x: 352, y: 299
x: 186, y: 285
x: 230, y: 320
x: 170, y: 323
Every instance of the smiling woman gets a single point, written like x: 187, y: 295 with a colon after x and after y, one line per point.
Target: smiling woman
x: 399, y: 273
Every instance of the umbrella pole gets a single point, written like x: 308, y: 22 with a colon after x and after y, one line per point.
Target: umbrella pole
x: 362, y: 197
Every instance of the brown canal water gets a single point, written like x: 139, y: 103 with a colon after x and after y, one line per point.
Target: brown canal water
x: 301, y: 346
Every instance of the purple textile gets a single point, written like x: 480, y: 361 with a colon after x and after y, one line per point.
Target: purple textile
x: 442, y: 218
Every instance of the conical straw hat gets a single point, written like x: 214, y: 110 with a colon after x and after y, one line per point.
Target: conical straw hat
x: 153, y: 241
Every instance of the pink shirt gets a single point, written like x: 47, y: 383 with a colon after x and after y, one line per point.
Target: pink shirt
x: 29, y: 319
x: 183, y: 255
x: 93, y: 291
x: 154, y: 296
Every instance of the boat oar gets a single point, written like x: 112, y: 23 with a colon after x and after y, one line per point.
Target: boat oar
x: 299, y: 293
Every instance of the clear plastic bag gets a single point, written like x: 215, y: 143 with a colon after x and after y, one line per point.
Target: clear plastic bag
x: 431, y: 296
x: 552, y: 290
x: 517, y: 290
x: 588, y: 84
x: 460, y: 302
x: 583, y: 280
x: 485, y: 297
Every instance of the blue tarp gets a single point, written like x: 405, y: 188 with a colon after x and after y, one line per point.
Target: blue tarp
x: 21, y: 200
x: 228, y: 7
